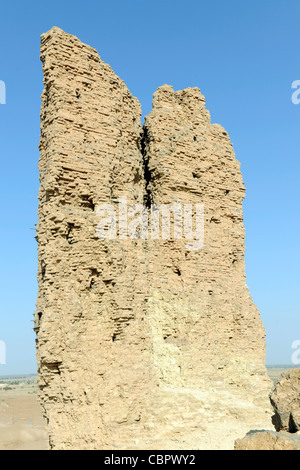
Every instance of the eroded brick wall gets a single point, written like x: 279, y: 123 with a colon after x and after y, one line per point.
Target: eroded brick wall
x: 140, y: 343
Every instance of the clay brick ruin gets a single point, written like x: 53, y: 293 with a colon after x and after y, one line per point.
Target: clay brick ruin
x: 141, y: 343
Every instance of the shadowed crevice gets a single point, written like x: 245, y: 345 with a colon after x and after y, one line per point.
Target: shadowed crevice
x: 144, y: 143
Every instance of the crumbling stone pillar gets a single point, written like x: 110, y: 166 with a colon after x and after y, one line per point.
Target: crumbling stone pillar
x: 141, y: 342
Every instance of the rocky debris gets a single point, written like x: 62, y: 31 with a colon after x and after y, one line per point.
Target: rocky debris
x: 285, y: 399
x: 268, y: 440
x: 141, y: 342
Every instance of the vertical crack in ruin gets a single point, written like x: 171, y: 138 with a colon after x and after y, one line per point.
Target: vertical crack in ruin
x: 144, y: 143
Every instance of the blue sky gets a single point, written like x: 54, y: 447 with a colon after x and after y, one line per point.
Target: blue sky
x: 243, y: 55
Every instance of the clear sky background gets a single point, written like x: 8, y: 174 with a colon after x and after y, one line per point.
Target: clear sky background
x: 243, y: 55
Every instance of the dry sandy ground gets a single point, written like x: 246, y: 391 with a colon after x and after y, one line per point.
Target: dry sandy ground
x: 21, y: 423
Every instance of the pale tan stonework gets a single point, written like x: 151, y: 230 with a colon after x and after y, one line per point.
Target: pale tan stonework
x: 141, y: 344
x: 268, y: 440
x: 285, y: 399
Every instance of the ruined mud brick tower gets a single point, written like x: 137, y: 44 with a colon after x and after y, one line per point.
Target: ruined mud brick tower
x: 141, y: 343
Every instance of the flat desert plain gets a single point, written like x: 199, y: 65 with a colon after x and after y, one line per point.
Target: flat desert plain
x: 22, y: 425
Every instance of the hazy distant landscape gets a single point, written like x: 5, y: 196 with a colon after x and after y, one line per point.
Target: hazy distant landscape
x: 276, y: 371
x: 21, y: 422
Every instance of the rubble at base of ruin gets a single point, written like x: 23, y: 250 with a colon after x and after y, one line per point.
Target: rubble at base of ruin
x: 141, y: 343
x: 285, y: 400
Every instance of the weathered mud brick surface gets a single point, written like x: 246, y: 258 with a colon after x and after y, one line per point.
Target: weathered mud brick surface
x: 141, y: 343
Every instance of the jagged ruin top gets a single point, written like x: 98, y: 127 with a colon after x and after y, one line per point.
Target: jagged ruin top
x: 144, y: 335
